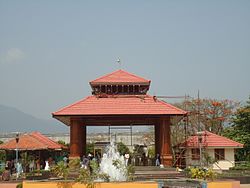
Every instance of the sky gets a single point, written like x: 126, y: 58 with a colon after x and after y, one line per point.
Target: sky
x: 50, y: 50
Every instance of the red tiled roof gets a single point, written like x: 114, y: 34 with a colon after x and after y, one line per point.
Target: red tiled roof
x: 120, y: 76
x: 211, y: 140
x: 120, y: 105
x: 32, y: 141
x: 51, y: 144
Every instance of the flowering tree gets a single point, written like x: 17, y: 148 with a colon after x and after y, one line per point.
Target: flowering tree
x: 208, y: 114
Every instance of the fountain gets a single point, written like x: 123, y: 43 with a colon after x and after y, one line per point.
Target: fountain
x: 113, y: 164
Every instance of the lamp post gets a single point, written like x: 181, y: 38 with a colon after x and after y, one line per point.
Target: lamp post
x: 200, y: 145
x: 17, y: 140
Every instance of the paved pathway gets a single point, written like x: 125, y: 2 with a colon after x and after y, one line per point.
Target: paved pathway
x: 244, y: 185
x: 8, y: 185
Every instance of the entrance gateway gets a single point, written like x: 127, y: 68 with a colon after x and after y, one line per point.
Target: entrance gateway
x: 119, y: 98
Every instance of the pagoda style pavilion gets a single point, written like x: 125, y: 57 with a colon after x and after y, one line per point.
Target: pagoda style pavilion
x: 119, y: 98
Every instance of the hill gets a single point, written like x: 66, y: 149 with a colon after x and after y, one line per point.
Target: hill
x: 14, y: 120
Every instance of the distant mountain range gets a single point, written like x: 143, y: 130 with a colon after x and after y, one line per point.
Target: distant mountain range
x: 14, y: 120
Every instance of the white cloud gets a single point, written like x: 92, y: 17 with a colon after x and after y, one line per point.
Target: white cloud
x: 13, y: 55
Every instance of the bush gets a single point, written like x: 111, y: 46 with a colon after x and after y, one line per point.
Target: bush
x: 151, y: 152
x: 201, y: 173
x: 74, y: 163
x: 90, y: 148
x: 1, y: 171
x: 122, y: 148
x: 20, y: 185
x: 87, y: 176
x: 244, y: 165
x: 60, y: 170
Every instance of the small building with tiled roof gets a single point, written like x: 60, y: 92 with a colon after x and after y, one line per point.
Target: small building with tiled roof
x: 119, y: 98
x: 220, y: 149
x: 30, y: 142
x: 36, y: 147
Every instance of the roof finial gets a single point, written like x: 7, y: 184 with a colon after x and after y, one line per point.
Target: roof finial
x: 119, y: 62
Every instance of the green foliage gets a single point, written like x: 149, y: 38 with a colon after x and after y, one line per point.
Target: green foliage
x: 130, y: 172
x: 138, y: 150
x: 240, y: 131
x: 200, y: 173
x: 94, y: 167
x: 2, y: 155
x: 1, y: 142
x: 90, y: 148
x: 87, y: 176
x: 122, y: 148
x: 243, y: 166
x: 1, y: 171
x: 74, y: 163
x: 207, y: 159
x: 19, y: 185
x: 60, y: 170
x: 151, y: 152
x: 62, y: 143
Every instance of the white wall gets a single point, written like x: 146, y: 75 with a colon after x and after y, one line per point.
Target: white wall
x: 222, y: 164
x: 228, y: 162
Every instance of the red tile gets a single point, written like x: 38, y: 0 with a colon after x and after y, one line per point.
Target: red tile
x: 211, y: 140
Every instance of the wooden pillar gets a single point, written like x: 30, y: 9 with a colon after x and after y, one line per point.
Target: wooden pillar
x: 157, y: 138
x: 77, y: 138
x: 84, y: 138
x: 165, y: 142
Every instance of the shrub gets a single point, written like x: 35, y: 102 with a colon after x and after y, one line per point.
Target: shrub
x: 20, y: 185
x: 243, y: 166
x: 60, y: 170
x: 122, y: 148
x: 130, y: 172
x: 74, y: 163
x: 201, y: 173
x: 1, y: 171
x: 87, y: 177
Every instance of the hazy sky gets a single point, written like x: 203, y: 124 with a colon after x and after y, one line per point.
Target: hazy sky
x: 50, y: 50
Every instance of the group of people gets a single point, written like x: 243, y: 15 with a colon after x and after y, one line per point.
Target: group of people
x: 12, y: 167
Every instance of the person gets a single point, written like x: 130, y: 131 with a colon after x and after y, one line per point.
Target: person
x: 158, y: 160
x: 32, y: 165
x: 65, y: 160
x: 38, y: 166
x: 85, y: 162
x: 144, y: 159
x: 98, y: 157
x: 19, y: 169
x: 6, y: 174
x: 126, y: 158
x: 46, y: 165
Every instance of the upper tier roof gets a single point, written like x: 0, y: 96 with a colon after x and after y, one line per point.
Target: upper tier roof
x: 120, y: 105
x: 211, y: 140
x: 120, y: 77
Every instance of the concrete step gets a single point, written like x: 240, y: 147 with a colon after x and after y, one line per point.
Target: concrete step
x: 151, y: 172
x: 153, y: 168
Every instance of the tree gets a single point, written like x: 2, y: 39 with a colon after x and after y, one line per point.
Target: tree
x: 240, y: 131
x: 63, y: 143
x: 2, y: 153
x: 122, y: 148
x: 208, y: 114
x: 90, y: 148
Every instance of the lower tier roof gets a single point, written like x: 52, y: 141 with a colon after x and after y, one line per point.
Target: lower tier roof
x: 120, y: 105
